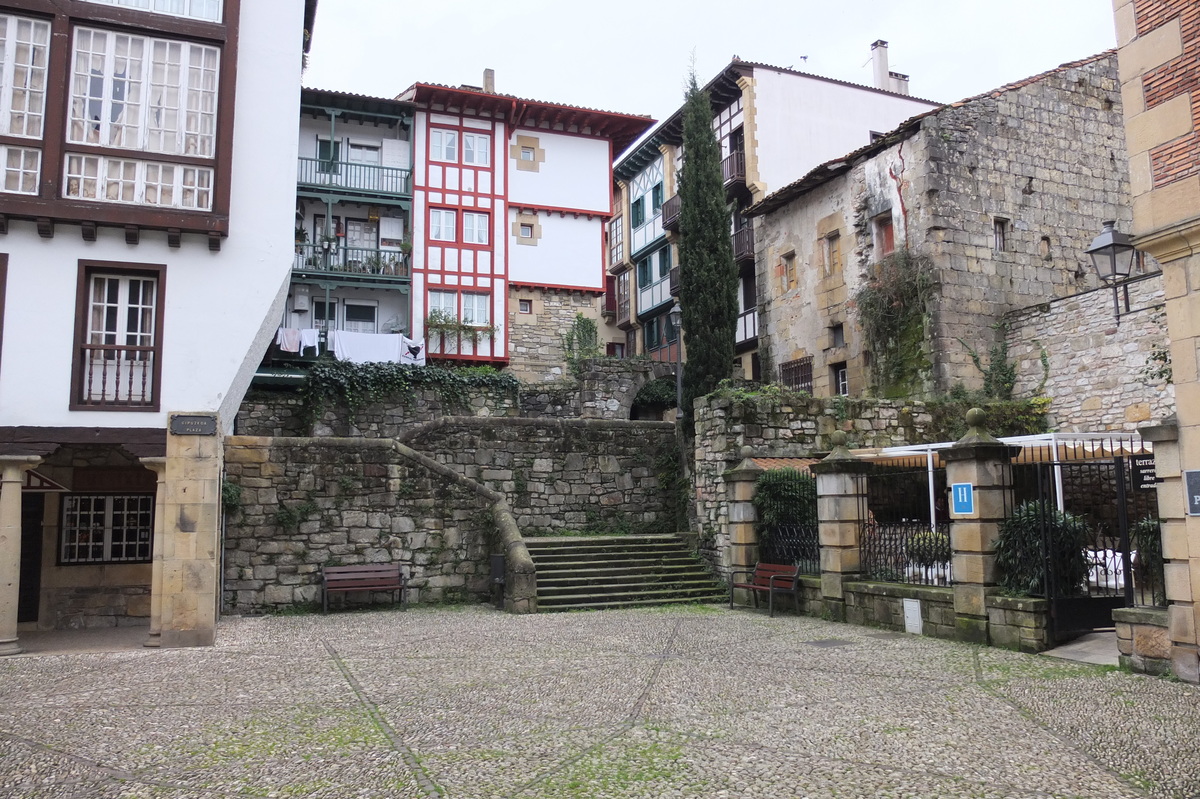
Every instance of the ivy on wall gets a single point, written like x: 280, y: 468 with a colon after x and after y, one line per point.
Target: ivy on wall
x: 1024, y: 417
x: 891, y: 309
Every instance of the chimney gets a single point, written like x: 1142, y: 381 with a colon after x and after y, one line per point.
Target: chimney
x: 489, y: 81
x: 899, y: 83
x: 883, y: 79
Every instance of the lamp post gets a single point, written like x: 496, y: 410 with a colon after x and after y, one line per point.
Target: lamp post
x: 675, y: 315
x: 1112, y: 255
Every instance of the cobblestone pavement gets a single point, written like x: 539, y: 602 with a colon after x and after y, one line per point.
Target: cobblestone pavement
x: 687, y: 702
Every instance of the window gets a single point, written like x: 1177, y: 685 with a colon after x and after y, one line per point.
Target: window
x: 1000, y: 234
x: 24, y: 51
x: 838, y: 379
x: 22, y: 169
x: 475, y: 310
x: 125, y: 180
x: 207, y: 10
x: 359, y: 317
x: 637, y: 212
x: 614, y: 349
x: 107, y: 528
x: 141, y: 93
x: 787, y: 272
x: 525, y: 306
x: 526, y: 231
x: 616, y: 241
x: 475, y: 228
x: 476, y: 149
x: 366, y: 154
x: 644, y: 272
x: 664, y: 262
x: 442, y: 225
x: 328, y: 156
x: 885, y: 237
x: 118, y: 338
x: 656, y: 198
x: 444, y: 303
x: 324, y: 317
x: 797, y: 374
x: 623, y: 295
x: 652, y: 333
x: 527, y: 154
x: 443, y: 145
x: 631, y: 341
x: 837, y: 336
x: 832, y: 250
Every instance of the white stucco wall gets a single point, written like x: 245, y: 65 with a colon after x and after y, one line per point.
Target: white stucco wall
x: 569, y: 253
x: 576, y: 173
x: 802, y: 122
x: 221, y: 308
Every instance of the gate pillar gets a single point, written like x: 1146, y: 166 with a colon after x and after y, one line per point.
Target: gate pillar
x: 12, y: 476
x: 841, y: 512
x: 742, y: 552
x: 979, y: 475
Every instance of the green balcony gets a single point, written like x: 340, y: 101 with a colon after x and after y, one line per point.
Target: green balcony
x: 347, y: 177
x: 352, y: 262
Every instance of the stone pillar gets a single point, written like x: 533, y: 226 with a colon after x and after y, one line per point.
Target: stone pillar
x: 841, y: 512
x: 12, y: 477
x: 159, y: 467
x: 191, y: 535
x: 1183, y: 612
x: 742, y: 552
x: 986, y: 464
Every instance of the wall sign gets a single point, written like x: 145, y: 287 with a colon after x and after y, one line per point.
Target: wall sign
x: 1191, y: 484
x: 193, y: 425
x: 962, y: 497
x: 1142, y: 469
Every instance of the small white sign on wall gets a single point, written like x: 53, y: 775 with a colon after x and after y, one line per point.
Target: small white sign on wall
x: 912, y: 616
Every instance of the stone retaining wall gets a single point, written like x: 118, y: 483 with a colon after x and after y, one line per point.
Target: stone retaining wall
x: 882, y: 605
x: 1143, y: 639
x: 1095, y: 361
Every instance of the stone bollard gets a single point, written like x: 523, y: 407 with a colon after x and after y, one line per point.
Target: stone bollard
x: 985, y: 464
x: 742, y: 552
x: 841, y: 512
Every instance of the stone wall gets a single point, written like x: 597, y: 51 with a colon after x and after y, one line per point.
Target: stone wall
x: 535, y: 348
x: 608, y: 386
x: 305, y: 504
x: 1143, y: 639
x: 780, y: 427
x: 1095, y: 360
x: 882, y: 605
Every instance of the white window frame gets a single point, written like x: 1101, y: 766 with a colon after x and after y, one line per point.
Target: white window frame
x: 91, y: 523
x: 443, y: 145
x: 32, y: 50
x: 443, y: 224
x: 129, y: 181
x: 144, y: 110
x: 475, y: 227
x: 358, y: 326
x: 444, y: 301
x: 203, y: 10
x: 525, y: 306
x: 476, y: 149
x: 20, y: 169
x: 525, y: 231
x: 115, y: 375
x: 528, y: 154
x: 474, y: 306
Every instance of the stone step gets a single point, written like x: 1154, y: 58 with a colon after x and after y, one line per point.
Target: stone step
x: 610, y: 604
x: 553, y: 575
x: 624, y: 587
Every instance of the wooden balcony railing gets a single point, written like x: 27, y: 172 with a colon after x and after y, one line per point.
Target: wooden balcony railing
x: 670, y: 213
x: 733, y: 168
x: 114, y: 376
x: 743, y: 245
x: 674, y: 277
x: 351, y: 177
x: 351, y: 260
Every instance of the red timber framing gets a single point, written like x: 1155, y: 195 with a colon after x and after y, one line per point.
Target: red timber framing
x: 49, y: 205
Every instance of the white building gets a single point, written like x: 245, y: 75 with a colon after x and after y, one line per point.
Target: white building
x: 146, y: 238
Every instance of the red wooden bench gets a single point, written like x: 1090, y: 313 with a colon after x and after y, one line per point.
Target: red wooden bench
x: 364, y: 577
x: 766, y: 578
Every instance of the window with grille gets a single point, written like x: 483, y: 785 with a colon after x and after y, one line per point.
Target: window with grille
x: 107, y: 528
x: 798, y: 374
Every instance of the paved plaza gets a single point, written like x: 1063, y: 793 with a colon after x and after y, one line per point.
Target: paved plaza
x: 686, y: 702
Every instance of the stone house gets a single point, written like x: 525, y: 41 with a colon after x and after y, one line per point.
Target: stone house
x: 999, y: 195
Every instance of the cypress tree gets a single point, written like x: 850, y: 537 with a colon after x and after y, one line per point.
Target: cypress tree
x: 708, y: 278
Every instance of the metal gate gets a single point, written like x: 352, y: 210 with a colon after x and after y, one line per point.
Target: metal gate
x: 1086, y: 505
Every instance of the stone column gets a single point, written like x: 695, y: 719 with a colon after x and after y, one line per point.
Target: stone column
x: 986, y: 464
x: 191, y: 535
x: 159, y: 467
x: 1183, y: 612
x: 841, y: 512
x: 12, y: 471
x: 742, y: 552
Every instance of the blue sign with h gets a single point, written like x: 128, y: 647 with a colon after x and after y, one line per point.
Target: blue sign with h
x: 962, y: 496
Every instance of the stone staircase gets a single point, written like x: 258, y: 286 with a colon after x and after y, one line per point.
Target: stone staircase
x: 593, y: 572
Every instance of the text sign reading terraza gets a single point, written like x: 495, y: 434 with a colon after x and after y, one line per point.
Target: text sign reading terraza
x: 1144, y: 477
x: 962, y: 497
x: 193, y: 425
x: 1191, y: 484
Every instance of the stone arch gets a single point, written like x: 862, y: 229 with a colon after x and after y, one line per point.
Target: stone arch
x: 609, y: 387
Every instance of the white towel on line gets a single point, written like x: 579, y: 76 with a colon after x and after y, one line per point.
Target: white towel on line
x: 365, y: 347
x: 288, y: 339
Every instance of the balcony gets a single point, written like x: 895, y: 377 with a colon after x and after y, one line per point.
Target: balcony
x: 673, y: 276
x: 359, y: 262
x: 743, y: 245
x: 353, y: 178
x: 654, y: 295
x: 116, y: 376
x: 747, y: 330
x: 670, y: 213
x: 733, y: 169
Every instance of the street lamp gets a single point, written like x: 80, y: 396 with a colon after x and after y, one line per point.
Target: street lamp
x: 1112, y: 255
x: 675, y: 316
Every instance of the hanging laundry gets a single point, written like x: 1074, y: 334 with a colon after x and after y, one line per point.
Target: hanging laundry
x: 288, y: 339
x: 309, y: 337
x: 365, y: 347
x: 412, y: 351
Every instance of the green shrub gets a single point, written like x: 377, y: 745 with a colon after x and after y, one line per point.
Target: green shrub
x: 1019, y: 565
x: 929, y: 547
x: 784, y: 496
x: 1145, y: 537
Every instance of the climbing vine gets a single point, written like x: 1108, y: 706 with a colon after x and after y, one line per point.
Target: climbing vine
x: 580, y: 343
x: 891, y: 310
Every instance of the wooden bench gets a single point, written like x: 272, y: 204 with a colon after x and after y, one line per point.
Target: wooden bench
x: 365, y: 577
x: 769, y: 579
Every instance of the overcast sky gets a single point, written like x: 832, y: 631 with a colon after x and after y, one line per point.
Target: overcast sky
x: 633, y: 56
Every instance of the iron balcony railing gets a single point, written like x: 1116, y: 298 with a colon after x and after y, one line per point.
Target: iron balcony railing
x: 670, y: 213
x: 733, y: 168
x: 743, y: 245
x: 369, y: 178
x: 116, y: 376
x: 351, y: 260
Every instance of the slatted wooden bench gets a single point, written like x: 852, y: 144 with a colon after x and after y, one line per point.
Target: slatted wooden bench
x: 766, y: 578
x: 365, y: 577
